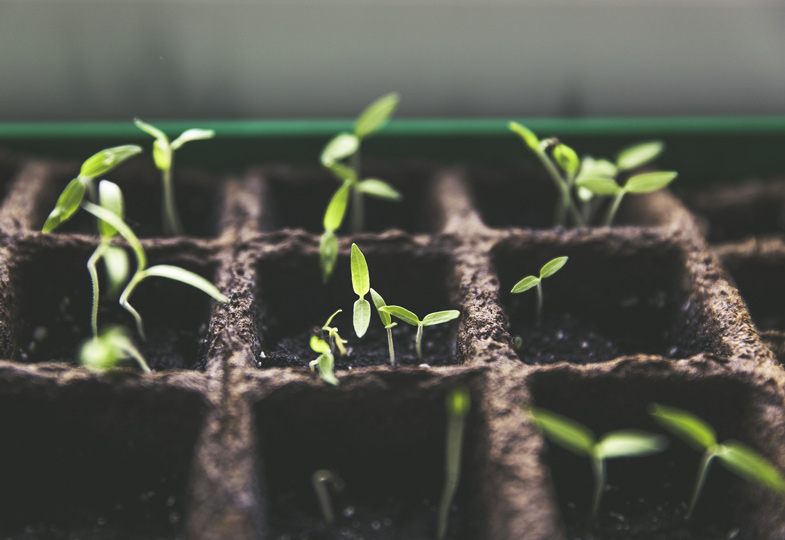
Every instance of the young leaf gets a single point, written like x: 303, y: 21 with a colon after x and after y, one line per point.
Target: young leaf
x: 688, y: 427
x: 125, y: 231
x: 568, y: 433
x: 192, y: 135
x: 111, y: 198
x: 336, y: 209
x: 402, y: 313
x: 328, y: 253
x: 747, y: 463
x: 378, y: 301
x: 361, y: 281
x: 599, y: 185
x: 376, y: 114
x: 525, y: 284
x: 362, y: 316
x: 162, y: 154
x: 106, y: 160
x: 326, y: 366
x: 151, y: 130
x: 189, y: 278
x: 103, y: 352
x: 528, y: 136
x: 340, y: 147
x: 597, y: 167
x: 648, y: 182
x: 440, y: 317
x: 379, y: 188
x: 330, y: 319
x: 552, y: 266
x: 566, y: 158
x: 639, y: 155
x: 117, y: 269
x: 630, y: 443
x: 66, y: 205
x: 319, y: 345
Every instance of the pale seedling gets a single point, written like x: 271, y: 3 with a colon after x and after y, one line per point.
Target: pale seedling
x: 457, y: 404
x: 104, y: 351
x: 321, y: 479
x: 378, y: 302
x: 548, y: 269
x: 332, y: 335
x: 163, y: 155
x: 432, y: 319
x: 734, y: 455
x: 640, y: 183
x: 361, y: 283
x: 579, y: 439
x: 325, y: 362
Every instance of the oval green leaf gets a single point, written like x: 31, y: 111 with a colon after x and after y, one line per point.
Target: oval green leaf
x: 563, y: 431
x: 328, y: 254
x: 162, y: 155
x: 440, y: 317
x: 336, y: 208
x: 525, y: 284
x: 376, y: 114
x: 552, y: 266
x: 378, y: 301
x: 685, y: 425
x: 319, y: 345
x: 630, y: 443
x: 638, y: 155
x: 361, y: 281
x: 194, y: 134
x: 111, y: 198
x: 326, y: 364
x: 529, y: 138
x: 599, y: 185
x: 340, y: 147
x: 749, y: 464
x: 186, y: 276
x: 597, y: 167
x: 151, y: 130
x: 648, y: 182
x: 566, y: 158
x: 106, y: 160
x: 362, y: 316
x: 118, y: 268
x: 125, y: 231
x: 66, y: 205
x: 379, y: 188
x: 402, y: 313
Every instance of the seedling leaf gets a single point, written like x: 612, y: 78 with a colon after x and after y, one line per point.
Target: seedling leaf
x: 379, y: 188
x: 151, y: 130
x: 648, y: 182
x: 597, y: 167
x: 566, y: 158
x: 162, y: 154
x: 362, y: 316
x: 440, y: 317
x: 402, y: 313
x: 185, y: 276
x: 639, y: 155
x: 525, y: 284
x: 378, y: 301
x: 376, y: 114
x: 599, y: 185
x: 328, y: 253
x: 192, y: 135
x: 340, y: 147
x: 102, y: 353
x: 336, y: 209
x: 685, y: 425
x: 630, y: 443
x: 552, y: 266
x: 567, y: 433
x: 125, y: 231
x: 361, y: 280
x: 117, y: 268
x: 106, y: 160
x: 319, y: 345
x: 111, y: 198
x: 527, y: 135
x: 749, y: 464
x: 67, y: 204
x: 326, y: 366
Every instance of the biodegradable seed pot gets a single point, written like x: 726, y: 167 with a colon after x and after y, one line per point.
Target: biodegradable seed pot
x: 223, y: 439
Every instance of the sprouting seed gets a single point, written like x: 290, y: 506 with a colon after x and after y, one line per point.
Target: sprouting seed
x: 432, y: 319
x: 332, y: 335
x: 547, y: 270
x: 321, y: 479
x: 325, y: 362
x: 457, y: 403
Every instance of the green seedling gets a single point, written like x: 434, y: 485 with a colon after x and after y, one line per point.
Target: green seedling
x: 321, y: 479
x: 457, y: 404
x: 361, y: 283
x: 104, y: 351
x: 73, y: 194
x: 378, y: 302
x: 163, y: 155
x: 333, y: 218
x: 579, y: 439
x: 432, y: 319
x: 640, y: 183
x: 547, y: 270
x: 332, y: 335
x: 734, y: 455
x: 325, y: 362
x: 142, y: 272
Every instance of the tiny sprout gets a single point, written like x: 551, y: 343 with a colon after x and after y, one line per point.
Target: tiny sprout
x: 548, y: 269
x: 432, y: 319
x: 579, y: 439
x: 103, y: 351
x: 457, y: 404
x: 321, y: 479
x: 378, y: 302
x: 638, y: 155
x: 163, y: 155
x: 332, y: 335
x: 361, y: 283
x: 325, y: 361
x: 737, y: 457
x: 640, y: 183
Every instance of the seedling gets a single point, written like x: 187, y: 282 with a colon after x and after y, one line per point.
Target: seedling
x: 361, y: 283
x: 321, y: 479
x: 333, y: 218
x: 378, y: 302
x: 104, y: 351
x: 325, y: 361
x: 332, y: 335
x: 163, y: 155
x: 73, y: 194
x: 640, y: 183
x: 457, y: 404
x: 432, y: 319
x: 579, y: 439
x: 734, y: 455
x: 547, y: 270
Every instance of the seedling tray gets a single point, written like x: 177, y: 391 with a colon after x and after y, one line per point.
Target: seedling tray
x: 221, y: 440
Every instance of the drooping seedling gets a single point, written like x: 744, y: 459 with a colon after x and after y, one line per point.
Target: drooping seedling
x: 325, y: 362
x: 547, y: 270
x: 361, y: 283
x: 332, y: 335
x: 432, y: 319
x: 579, y: 439
x: 640, y: 183
x: 734, y: 455
x: 163, y: 155
x: 104, y: 351
x: 457, y: 404
x: 321, y: 479
x: 378, y: 302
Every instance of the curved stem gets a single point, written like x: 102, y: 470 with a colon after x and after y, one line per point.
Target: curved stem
x: 419, y: 341
x: 91, y: 268
x: 136, y: 355
x: 124, y: 302
x: 598, y: 466
x: 452, y: 471
x: 614, y: 207
x: 566, y: 203
x: 703, y: 468
x: 171, y: 219
x: 320, y: 480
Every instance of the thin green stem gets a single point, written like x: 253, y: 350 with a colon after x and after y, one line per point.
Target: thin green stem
x: 171, y: 219
x: 538, y: 320
x: 390, y: 346
x: 614, y: 207
x: 598, y: 466
x: 320, y: 480
x: 136, y: 355
x: 419, y: 341
x: 565, y: 203
x: 91, y: 268
x: 452, y: 471
x: 703, y: 468
x: 135, y: 280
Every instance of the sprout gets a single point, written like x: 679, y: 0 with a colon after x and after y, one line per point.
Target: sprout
x: 378, y: 302
x: 163, y: 155
x: 103, y: 351
x: 457, y: 404
x: 432, y: 319
x: 321, y: 479
x: 548, y: 269
x: 361, y: 283
x: 579, y: 439
x: 325, y: 361
x: 332, y: 335
x: 735, y: 456
x: 640, y: 183
x: 638, y: 155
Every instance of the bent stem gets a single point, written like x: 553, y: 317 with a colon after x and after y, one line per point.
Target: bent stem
x: 701, y: 479
x: 91, y: 268
x: 320, y: 480
x: 172, y: 224
x: 128, y: 307
x: 565, y: 204
x: 598, y: 466
x: 614, y: 207
x: 136, y: 355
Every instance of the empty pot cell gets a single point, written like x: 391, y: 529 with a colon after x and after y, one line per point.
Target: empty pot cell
x: 293, y: 303
x: 607, y: 301
x: 95, y: 460
x: 299, y: 198
x: 52, y: 296
x: 648, y: 496
x: 386, y: 442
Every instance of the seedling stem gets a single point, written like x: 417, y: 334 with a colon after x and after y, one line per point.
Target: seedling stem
x: 457, y: 404
x: 431, y: 319
x: 321, y: 479
x: 547, y: 270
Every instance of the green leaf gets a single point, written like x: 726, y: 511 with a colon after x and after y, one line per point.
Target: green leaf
x: 192, y: 135
x: 749, y: 464
x: 125, y: 231
x: 162, y: 155
x: 402, y: 313
x: 378, y: 188
x: 361, y: 281
x: 118, y: 269
x: 566, y: 158
x: 186, y: 276
x: 648, y: 182
x: 151, y: 130
x: 342, y: 172
x: 328, y: 254
x: 528, y: 136
x: 319, y: 345
x: 326, y: 364
x: 630, y: 443
x: 376, y: 114
x: 340, y: 147
x: 111, y: 198
x: 597, y: 167
x: 685, y: 425
x: 66, y: 205
x: 525, y: 284
x: 106, y: 160
x: 599, y: 185
x: 563, y: 431
x: 102, y: 353
x: 552, y: 266
x: 440, y: 317
x: 458, y: 402
x: 362, y: 316
x: 378, y: 301
x: 639, y: 155
x: 336, y: 208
